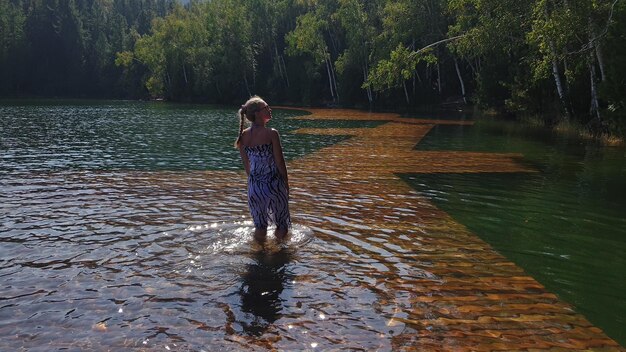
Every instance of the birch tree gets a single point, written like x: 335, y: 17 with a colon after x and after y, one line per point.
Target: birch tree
x: 308, y: 38
x: 613, y: 86
x: 359, y: 34
x: 569, y: 37
x: 395, y: 71
x: 490, y: 36
x: 552, y: 29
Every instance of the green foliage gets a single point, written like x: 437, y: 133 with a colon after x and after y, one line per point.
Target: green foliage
x: 613, y: 89
x: 359, y: 33
x: 12, y: 42
x: 491, y: 27
x: 124, y: 58
x: 510, y: 54
x: 12, y: 20
x: 308, y: 37
x: 492, y: 41
x: 67, y: 48
x: 398, y: 68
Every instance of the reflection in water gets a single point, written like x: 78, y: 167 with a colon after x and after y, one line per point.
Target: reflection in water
x: 262, y: 286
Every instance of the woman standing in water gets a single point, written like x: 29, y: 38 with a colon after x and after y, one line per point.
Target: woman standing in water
x: 262, y: 155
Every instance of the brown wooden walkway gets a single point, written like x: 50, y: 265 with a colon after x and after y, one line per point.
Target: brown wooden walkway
x: 474, y: 299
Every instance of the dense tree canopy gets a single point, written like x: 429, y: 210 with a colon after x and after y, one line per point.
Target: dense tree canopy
x: 67, y: 47
x: 557, y: 58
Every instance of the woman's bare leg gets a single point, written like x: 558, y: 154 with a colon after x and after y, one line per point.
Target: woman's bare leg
x: 280, y: 233
x: 260, y: 235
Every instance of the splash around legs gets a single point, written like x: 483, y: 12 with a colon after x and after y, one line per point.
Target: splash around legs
x: 260, y: 234
x: 281, y: 233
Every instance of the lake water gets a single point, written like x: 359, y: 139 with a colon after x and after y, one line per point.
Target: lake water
x: 565, y: 225
x: 124, y: 224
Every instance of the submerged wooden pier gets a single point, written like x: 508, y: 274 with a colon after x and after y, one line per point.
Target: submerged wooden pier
x: 469, y: 298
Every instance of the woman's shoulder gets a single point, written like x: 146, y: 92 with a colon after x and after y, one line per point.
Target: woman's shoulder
x: 275, y: 137
x: 246, y: 132
x: 273, y: 132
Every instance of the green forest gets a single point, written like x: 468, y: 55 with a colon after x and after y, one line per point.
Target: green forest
x: 562, y: 60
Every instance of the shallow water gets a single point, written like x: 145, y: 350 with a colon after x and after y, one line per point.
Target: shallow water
x: 565, y: 225
x: 156, y: 260
x: 124, y: 225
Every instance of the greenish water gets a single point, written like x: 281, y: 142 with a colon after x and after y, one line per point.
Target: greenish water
x: 565, y: 225
x: 56, y: 135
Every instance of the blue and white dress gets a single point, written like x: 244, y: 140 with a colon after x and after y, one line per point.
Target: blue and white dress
x: 268, y: 197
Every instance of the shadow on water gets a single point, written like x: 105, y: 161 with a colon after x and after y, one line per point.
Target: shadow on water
x: 263, y: 271
x: 263, y: 283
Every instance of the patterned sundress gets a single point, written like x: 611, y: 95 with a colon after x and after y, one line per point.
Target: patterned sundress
x: 268, y: 198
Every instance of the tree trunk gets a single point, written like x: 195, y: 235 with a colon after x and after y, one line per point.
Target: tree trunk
x: 566, y: 68
x: 555, y: 72
x: 217, y: 87
x: 366, y: 71
x: 594, y: 109
x: 438, y: 77
x: 245, y: 80
x: 559, y: 88
x: 334, y: 76
x: 559, y: 83
x: 598, y: 46
x: 368, y: 90
x: 285, y: 68
x: 185, y: 74
x: 169, y: 82
x: 406, y: 94
x: 282, y: 69
x: 600, y: 58
x: 413, y: 78
x: 330, y: 79
x: 333, y: 91
x: 471, y: 65
x: 370, y: 95
x: 458, y: 73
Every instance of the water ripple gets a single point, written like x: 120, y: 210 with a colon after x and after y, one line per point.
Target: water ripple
x: 140, y: 239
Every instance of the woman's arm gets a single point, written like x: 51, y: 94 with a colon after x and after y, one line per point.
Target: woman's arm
x: 279, y: 158
x: 244, y: 158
